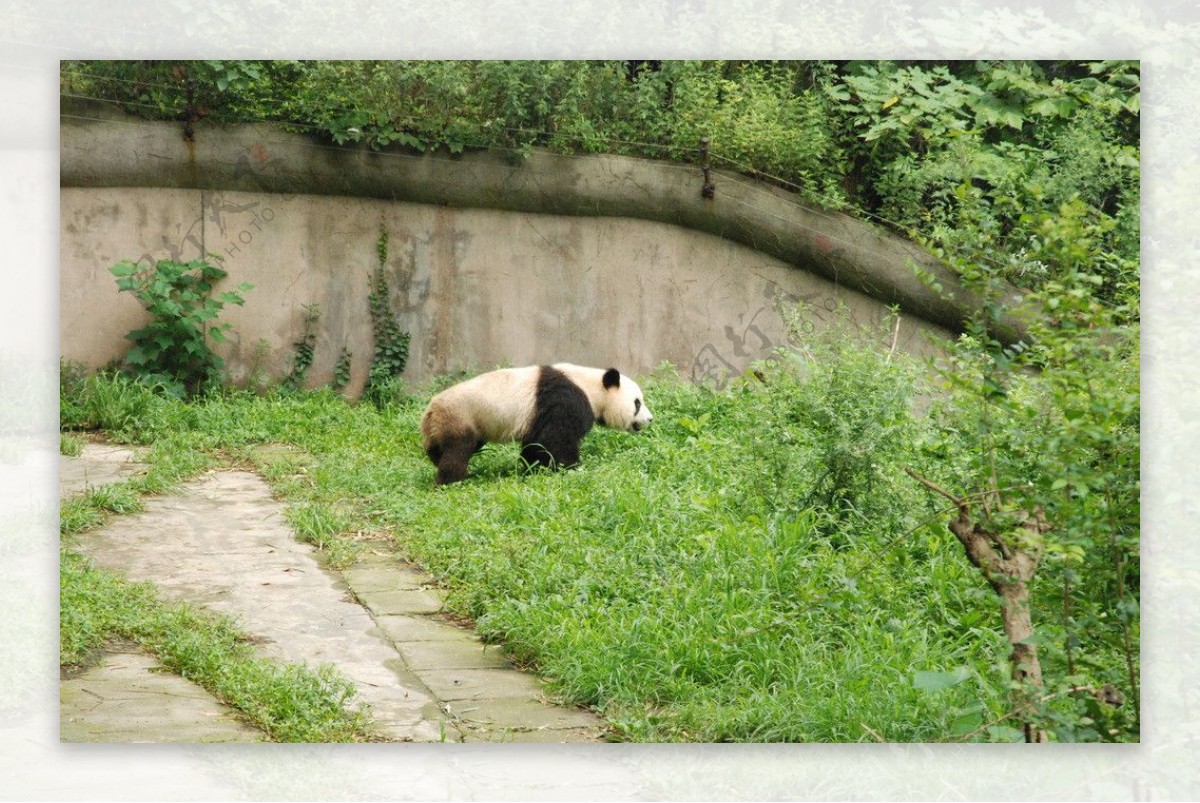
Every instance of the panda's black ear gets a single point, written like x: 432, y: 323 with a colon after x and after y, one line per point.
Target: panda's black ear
x: 612, y: 378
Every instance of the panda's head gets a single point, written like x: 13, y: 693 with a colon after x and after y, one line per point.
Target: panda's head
x: 621, y: 404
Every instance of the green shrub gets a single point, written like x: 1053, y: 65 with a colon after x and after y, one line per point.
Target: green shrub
x: 173, y: 349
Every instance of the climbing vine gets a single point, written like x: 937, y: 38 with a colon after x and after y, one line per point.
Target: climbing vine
x: 305, y: 347
x: 391, y: 343
x: 341, y: 370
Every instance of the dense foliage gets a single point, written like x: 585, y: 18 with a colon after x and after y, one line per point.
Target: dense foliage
x: 988, y: 160
x: 173, y: 348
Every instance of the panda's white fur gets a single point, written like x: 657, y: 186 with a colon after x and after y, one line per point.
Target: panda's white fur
x: 548, y: 409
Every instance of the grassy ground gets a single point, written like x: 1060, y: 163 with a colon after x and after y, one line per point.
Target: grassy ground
x: 753, y: 567
x: 679, y: 580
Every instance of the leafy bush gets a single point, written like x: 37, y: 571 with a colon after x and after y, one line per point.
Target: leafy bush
x: 173, y: 348
x: 1048, y: 431
x: 972, y: 156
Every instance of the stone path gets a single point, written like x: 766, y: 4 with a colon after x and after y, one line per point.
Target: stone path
x: 222, y: 542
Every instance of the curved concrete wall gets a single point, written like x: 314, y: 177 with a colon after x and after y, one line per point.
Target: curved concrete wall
x: 477, y: 282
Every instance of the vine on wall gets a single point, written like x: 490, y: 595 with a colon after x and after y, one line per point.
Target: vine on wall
x: 391, y: 342
x: 305, y: 347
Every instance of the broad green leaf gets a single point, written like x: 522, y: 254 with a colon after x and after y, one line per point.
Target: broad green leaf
x: 1004, y: 733
x: 937, y: 680
x: 967, y: 722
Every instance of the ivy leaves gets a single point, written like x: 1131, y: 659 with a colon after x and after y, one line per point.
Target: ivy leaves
x: 391, y: 342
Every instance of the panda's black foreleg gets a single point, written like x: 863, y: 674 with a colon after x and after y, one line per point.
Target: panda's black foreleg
x: 561, y: 455
x: 561, y: 419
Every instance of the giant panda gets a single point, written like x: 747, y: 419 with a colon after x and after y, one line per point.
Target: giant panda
x: 548, y: 408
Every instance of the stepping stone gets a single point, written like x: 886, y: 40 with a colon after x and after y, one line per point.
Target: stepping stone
x: 99, y: 464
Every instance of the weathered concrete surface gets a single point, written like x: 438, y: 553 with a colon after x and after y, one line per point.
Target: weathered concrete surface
x: 476, y: 288
x: 223, y: 543
x: 598, y: 260
x: 122, y: 700
x: 100, y: 464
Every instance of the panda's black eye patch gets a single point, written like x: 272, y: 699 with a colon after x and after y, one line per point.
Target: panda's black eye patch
x: 637, y: 406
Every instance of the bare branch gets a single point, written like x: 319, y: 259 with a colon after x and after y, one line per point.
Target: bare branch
x: 961, y: 504
x: 895, y: 338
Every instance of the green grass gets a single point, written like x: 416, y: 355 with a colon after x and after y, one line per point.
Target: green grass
x: 675, y: 581
x: 70, y: 445
x: 289, y: 702
x: 672, y: 582
x: 755, y: 566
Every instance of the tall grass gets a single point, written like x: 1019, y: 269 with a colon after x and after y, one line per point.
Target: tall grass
x: 733, y: 573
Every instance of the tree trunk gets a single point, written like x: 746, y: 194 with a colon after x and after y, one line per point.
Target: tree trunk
x: 1008, y: 568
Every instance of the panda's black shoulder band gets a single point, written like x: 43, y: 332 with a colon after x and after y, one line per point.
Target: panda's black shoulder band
x: 612, y: 378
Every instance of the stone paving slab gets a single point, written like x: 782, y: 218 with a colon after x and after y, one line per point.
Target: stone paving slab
x: 386, y: 576
x: 223, y: 542
x: 505, y: 717
x: 383, y: 603
x: 108, y: 703
x: 464, y: 652
x: 473, y: 684
x: 100, y: 464
x: 415, y: 628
